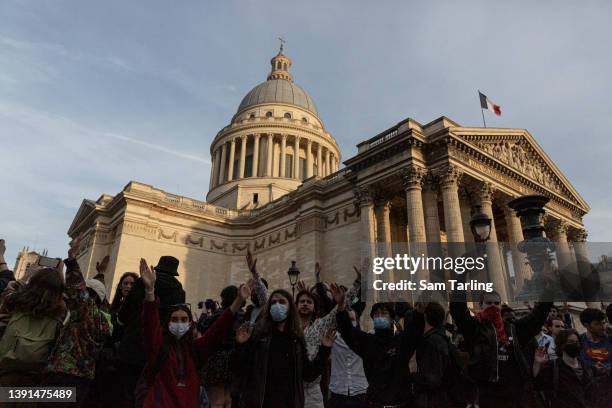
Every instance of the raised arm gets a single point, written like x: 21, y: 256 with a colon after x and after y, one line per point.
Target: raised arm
x: 465, y: 322
x: 153, y: 334
x: 328, y: 322
x: 356, y: 339
x: 75, y: 283
x: 260, y: 290
x: 529, y: 326
x: 219, y: 330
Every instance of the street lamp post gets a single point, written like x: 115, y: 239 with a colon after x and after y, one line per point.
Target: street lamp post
x: 480, y: 224
x: 538, y: 248
x: 294, y: 275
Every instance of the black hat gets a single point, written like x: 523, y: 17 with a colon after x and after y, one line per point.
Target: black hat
x: 168, y: 264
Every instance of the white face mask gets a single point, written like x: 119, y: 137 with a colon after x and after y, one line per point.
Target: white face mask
x: 354, y: 322
x: 178, y: 329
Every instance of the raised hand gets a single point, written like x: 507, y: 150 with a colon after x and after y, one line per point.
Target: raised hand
x: 244, y: 292
x: 148, y: 276
x: 251, y: 262
x: 338, y: 295
x: 75, y: 246
x: 541, y: 357
x: 328, y: 338
x: 243, y: 334
x: 101, y: 266
x: 318, y: 272
x: 301, y: 286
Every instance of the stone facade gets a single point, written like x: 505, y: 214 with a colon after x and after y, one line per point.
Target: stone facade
x: 410, y: 183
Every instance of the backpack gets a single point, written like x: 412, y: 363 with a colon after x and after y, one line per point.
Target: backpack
x: 147, y: 377
x: 27, y: 341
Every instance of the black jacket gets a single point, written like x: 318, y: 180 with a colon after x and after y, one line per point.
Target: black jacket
x: 566, y: 390
x: 385, y: 360
x: 482, y: 344
x: 250, y: 362
x: 169, y: 291
x: 433, y: 363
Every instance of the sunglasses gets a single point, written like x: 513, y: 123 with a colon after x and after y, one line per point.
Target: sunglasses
x: 187, y: 305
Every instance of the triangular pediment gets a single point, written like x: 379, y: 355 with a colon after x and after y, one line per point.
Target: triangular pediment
x: 518, y: 150
x: 86, y: 208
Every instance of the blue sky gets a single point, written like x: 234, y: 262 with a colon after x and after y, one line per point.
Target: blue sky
x: 95, y: 94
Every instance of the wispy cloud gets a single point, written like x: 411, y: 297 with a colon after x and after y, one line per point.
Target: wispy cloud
x: 41, y: 49
x: 48, y: 122
x: 156, y: 147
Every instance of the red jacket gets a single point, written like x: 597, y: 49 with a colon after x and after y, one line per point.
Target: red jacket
x: 166, y: 391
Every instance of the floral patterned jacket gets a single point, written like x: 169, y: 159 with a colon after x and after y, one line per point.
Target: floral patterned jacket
x: 315, y: 330
x: 82, y: 336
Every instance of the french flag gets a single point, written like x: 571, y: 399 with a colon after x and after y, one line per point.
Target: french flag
x: 486, y: 103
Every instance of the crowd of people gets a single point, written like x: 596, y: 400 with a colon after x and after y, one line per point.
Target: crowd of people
x: 261, y: 347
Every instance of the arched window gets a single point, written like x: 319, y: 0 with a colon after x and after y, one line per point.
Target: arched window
x: 278, y: 65
x: 287, y: 115
x: 305, y: 120
x: 285, y: 66
x: 252, y: 116
x: 268, y: 114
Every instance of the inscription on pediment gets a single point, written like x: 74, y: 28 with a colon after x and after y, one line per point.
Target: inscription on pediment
x: 517, y: 156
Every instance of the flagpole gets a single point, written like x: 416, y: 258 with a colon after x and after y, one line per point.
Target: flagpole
x: 483, y: 119
x: 481, y: 110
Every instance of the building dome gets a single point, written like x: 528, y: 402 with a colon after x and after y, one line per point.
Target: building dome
x: 274, y: 142
x: 278, y: 91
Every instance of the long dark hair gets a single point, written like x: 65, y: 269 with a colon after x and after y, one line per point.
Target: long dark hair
x: 41, y: 296
x: 116, y: 303
x: 266, y: 325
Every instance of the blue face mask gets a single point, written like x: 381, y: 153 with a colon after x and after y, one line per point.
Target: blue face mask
x: 278, y: 312
x: 381, y: 323
x: 179, y: 329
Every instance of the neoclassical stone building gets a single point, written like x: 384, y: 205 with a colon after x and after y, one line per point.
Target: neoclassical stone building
x: 277, y: 188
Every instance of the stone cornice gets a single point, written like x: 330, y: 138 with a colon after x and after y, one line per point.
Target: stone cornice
x: 200, y: 211
x: 274, y: 127
x: 384, y: 150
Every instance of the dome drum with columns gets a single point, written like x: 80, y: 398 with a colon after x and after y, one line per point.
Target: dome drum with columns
x: 274, y: 142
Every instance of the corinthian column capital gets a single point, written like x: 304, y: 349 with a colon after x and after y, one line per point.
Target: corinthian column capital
x: 558, y: 228
x: 486, y: 192
x: 431, y: 182
x: 412, y: 176
x: 580, y: 235
x: 449, y: 175
x: 364, y: 195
